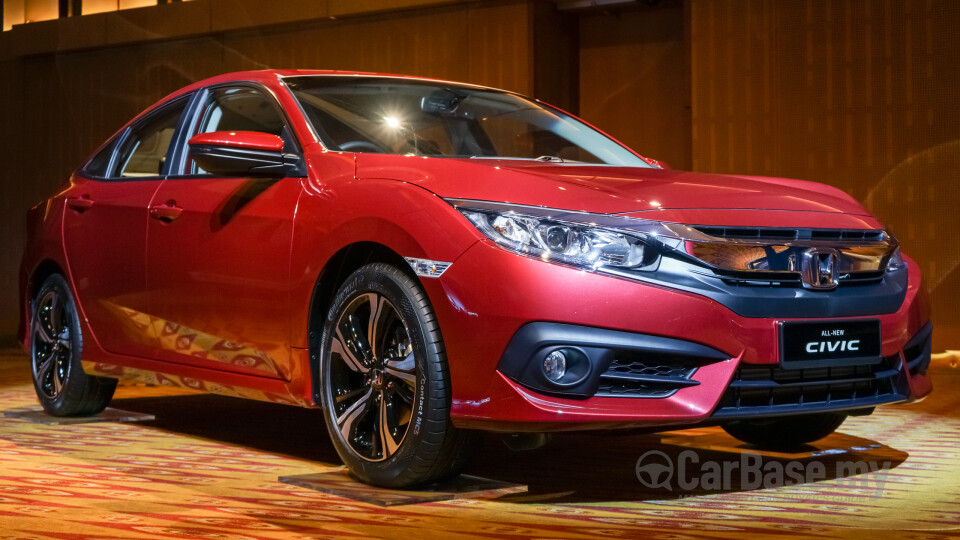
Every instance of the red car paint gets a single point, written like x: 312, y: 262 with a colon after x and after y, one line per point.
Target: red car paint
x: 247, y: 139
x: 207, y: 283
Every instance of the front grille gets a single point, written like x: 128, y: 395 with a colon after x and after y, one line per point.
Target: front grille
x: 761, y: 279
x: 647, y: 375
x: 764, y: 233
x: 862, y: 278
x: 771, y: 390
x: 791, y: 279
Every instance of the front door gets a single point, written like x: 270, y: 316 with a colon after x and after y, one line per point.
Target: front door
x: 219, y: 252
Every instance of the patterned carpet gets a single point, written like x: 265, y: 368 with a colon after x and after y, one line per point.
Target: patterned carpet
x: 207, y: 468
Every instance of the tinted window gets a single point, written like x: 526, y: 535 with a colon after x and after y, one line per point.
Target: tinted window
x: 239, y: 109
x: 144, y: 151
x: 97, y: 167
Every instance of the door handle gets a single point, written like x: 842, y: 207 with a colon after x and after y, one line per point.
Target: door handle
x: 80, y: 204
x: 166, y: 212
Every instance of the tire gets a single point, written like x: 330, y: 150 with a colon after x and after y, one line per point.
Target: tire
x: 56, y: 347
x: 786, y: 432
x: 399, y: 379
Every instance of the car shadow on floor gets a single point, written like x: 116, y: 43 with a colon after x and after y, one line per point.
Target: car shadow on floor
x: 267, y: 427
x: 571, y: 468
x: 589, y: 468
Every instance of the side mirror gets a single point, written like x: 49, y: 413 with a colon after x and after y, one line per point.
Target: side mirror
x: 242, y: 153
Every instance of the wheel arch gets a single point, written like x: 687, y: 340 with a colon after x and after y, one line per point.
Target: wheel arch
x: 343, y: 263
x: 41, y: 271
x: 366, y: 221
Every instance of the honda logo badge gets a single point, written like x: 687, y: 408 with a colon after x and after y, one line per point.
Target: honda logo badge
x: 818, y: 270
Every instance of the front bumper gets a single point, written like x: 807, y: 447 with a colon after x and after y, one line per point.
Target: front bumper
x: 489, y: 295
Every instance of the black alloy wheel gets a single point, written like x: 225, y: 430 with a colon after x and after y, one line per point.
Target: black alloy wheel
x: 56, y: 346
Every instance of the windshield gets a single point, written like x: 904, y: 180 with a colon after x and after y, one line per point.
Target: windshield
x: 401, y: 116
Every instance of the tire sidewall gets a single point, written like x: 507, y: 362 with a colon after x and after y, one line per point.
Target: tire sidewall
x: 398, y: 289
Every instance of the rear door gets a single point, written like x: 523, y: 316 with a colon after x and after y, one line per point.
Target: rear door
x: 105, y: 230
x: 219, y: 249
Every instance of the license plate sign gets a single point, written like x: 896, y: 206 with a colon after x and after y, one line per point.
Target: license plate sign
x: 826, y: 344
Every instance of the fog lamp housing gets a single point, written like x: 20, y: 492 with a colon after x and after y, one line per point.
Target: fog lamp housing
x: 564, y: 367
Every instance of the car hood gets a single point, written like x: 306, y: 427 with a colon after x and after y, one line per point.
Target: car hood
x: 664, y: 195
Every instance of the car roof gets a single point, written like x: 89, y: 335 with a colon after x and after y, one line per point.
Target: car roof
x: 272, y: 75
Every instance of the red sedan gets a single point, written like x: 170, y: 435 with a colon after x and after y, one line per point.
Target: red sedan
x: 424, y: 260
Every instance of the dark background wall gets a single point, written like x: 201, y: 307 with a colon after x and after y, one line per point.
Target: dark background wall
x: 860, y: 94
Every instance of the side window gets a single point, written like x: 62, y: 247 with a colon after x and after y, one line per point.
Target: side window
x: 239, y: 109
x: 97, y: 167
x: 144, y: 151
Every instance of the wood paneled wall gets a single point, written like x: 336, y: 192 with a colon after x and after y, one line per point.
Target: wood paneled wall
x: 13, y: 200
x: 433, y: 44
x: 634, y: 79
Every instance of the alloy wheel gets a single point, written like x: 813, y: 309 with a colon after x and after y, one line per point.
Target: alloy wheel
x: 52, y: 350
x: 372, y: 378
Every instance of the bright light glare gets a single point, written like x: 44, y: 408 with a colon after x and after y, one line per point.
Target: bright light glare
x: 391, y: 121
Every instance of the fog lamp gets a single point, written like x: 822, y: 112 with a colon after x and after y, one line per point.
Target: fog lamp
x: 555, y: 365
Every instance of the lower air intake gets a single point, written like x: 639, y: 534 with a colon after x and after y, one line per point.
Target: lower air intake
x: 771, y: 390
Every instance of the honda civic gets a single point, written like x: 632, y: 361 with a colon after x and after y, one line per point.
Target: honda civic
x: 424, y: 261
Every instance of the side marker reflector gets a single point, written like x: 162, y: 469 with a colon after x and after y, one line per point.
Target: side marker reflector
x: 427, y: 268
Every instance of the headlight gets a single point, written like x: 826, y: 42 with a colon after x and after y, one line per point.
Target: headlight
x: 563, y: 241
x: 896, y: 261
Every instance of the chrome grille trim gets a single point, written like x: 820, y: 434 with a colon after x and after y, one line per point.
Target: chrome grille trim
x: 782, y: 233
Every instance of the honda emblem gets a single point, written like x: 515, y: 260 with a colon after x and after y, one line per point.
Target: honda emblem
x: 818, y: 270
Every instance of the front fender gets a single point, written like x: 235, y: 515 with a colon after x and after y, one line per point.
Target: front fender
x: 403, y: 217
